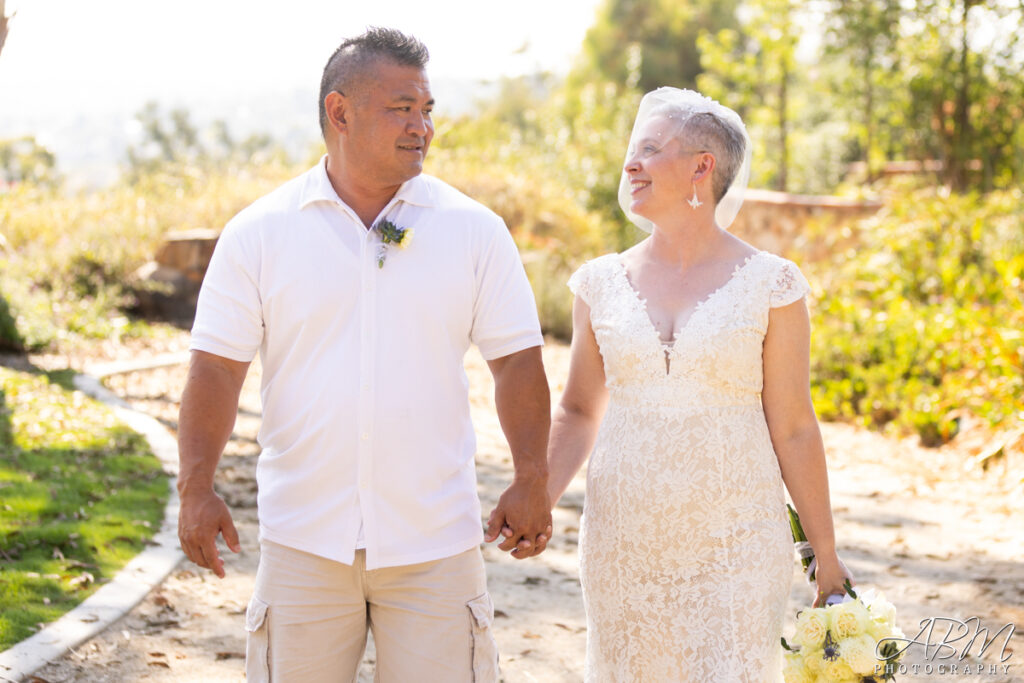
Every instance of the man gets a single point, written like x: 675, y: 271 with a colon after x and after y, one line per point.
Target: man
x: 367, y: 491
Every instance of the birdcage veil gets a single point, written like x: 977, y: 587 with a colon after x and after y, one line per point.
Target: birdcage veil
x: 679, y: 106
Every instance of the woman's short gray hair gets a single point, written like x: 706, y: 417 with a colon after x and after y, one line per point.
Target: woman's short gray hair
x: 715, y: 134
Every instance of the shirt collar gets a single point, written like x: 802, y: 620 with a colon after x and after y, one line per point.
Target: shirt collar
x: 317, y: 188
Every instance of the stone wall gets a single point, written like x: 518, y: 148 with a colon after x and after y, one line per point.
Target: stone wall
x: 775, y: 221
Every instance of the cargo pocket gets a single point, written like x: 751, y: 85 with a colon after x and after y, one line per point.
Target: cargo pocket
x: 485, y: 649
x: 257, y: 643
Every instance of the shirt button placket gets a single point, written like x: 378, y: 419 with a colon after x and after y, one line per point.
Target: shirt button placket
x: 367, y: 336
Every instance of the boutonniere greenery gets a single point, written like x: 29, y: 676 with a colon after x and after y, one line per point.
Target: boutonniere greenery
x: 391, y: 234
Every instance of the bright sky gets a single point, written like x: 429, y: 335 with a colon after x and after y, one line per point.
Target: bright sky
x: 83, y: 56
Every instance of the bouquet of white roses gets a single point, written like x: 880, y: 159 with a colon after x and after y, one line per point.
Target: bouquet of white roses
x: 846, y: 641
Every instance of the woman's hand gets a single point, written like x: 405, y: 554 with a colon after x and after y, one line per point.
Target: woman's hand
x: 829, y: 576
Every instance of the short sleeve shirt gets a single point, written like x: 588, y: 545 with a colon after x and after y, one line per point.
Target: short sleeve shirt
x: 365, y: 399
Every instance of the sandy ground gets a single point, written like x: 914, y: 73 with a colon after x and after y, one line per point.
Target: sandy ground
x: 941, y: 541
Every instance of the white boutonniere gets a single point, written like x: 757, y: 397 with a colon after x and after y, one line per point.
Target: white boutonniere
x: 391, y: 234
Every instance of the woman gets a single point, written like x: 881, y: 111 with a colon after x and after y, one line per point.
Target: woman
x: 689, y: 371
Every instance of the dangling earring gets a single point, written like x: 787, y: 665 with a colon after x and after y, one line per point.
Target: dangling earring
x: 694, y: 203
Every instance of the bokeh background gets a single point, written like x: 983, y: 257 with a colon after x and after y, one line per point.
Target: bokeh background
x: 122, y: 122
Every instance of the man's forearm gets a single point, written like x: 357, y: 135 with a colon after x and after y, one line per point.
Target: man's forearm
x: 523, y: 403
x: 209, y: 404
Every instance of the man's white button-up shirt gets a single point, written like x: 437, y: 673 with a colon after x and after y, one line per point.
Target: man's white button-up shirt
x: 365, y: 399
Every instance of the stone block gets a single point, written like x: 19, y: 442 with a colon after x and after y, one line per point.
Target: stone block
x: 188, y: 250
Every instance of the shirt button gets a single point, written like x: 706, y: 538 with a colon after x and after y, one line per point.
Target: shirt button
x: 365, y: 436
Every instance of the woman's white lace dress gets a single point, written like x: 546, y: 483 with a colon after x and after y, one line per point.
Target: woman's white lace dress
x: 685, y: 550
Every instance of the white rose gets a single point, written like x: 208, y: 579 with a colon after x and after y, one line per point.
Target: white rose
x: 814, y: 661
x: 881, y: 609
x: 839, y: 672
x: 849, y: 619
x: 880, y: 629
x: 795, y: 671
x: 811, y: 627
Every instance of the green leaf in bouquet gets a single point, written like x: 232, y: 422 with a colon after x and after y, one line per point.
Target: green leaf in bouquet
x: 848, y: 587
x: 794, y: 525
x: 786, y: 646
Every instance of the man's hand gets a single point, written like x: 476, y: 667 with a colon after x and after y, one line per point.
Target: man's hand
x: 523, y: 401
x: 202, y: 517
x: 209, y: 404
x: 523, y: 517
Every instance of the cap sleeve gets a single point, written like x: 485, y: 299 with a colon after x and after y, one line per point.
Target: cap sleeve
x: 788, y: 285
x: 580, y: 283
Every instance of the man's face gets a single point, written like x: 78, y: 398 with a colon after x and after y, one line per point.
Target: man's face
x: 389, y: 128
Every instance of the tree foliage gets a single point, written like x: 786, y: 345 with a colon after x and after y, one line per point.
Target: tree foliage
x: 25, y: 160
x: 967, y: 67
x: 753, y: 69
x: 651, y: 43
x: 863, y: 36
x: 170, y: 142
x: 933, y: 79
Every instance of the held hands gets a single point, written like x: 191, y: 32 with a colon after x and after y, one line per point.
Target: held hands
x: 829, y: 576
x: 203, y: 515
x: 523, y: 517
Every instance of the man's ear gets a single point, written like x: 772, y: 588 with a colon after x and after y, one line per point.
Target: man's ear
x: 336, y: 107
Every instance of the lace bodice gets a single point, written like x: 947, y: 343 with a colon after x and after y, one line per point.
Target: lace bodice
x: 685, y: 553
x: 715, y: 356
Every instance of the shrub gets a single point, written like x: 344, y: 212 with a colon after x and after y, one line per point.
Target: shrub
x: 10, y: 340
x: 67, y: 267
x: 922, y: 321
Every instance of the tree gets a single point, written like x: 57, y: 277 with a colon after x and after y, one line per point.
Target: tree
x: 5, y: 23
x: 23, y: 160
x: 9, y: 337
x: 753, y: 70
x: 170, y: 141
x: 164, y: 142
x: 660, y: 34
x: 959, y: 80
x: 862, y: 35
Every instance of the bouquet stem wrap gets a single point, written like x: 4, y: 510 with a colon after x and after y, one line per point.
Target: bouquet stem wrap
x: 803, y: 548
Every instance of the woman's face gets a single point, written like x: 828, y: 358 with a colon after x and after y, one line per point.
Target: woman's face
x: 659, y: 169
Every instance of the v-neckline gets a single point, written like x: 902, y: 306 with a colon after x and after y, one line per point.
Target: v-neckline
x: 677, y: 331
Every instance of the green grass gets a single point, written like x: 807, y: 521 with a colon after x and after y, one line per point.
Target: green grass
x: 79, y: 496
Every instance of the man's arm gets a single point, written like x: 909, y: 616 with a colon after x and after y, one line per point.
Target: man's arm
x: 521, y: 395
x: 209, y: 404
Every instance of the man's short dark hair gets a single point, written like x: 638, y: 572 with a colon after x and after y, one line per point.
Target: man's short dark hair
x: 348, y: 65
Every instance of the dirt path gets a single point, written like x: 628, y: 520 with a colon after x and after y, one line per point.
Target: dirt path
x: 940, y: 542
